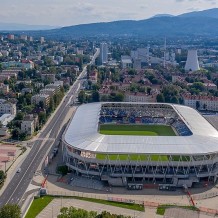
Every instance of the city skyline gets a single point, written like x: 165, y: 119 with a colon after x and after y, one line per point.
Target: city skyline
x: 66, y: 12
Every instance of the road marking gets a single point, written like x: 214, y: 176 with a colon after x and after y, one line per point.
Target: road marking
x: 23, y: 175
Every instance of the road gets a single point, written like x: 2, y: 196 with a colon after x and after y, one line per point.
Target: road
x: 19, y: 183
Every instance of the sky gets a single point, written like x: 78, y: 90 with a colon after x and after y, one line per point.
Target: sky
x: 72, y: 12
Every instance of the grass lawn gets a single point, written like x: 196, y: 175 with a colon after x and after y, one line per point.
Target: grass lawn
x: 161, y: 209
x: 133, y: 157
x: 112, y: 203
x: 137, y: 130
x: 38, y: 205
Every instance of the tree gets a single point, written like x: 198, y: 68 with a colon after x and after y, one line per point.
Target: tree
x: 41, y: 104
x: 51, y: 105
x: 10, y: 211
x: 82, y: 97
x: 15, y: 133
x: 106, y: 214
x: 72, y: 212
x: 2, y: 175
x: 19, y: 116
x: 149, y: 90
x: 197, y: 105
x: 174, y: 100
x: 160, y: 98
x: 198, y: 86
x: 117, y: 97
x: 95, y: 96
x: 42, y: 117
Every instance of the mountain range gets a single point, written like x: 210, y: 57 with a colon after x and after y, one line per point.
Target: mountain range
x: 197, y: 23
x: 21, y: 27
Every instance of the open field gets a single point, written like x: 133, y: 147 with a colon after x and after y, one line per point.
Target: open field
x: 137, y: 130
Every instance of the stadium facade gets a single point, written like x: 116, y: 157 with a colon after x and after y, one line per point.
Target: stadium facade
x: 185, y: 159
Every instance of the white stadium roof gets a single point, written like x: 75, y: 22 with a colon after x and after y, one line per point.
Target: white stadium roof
x: 82, y: 133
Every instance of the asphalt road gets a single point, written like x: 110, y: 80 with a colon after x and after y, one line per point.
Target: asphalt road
x: 19, y: 183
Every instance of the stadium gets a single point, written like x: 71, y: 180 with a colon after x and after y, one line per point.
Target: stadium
x: 141, y: 143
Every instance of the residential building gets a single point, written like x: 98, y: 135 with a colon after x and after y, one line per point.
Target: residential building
x: 4, y: 77
x: 4, y: 88
x: 40, y: 98
x: 42, y: 40
x: 29, y: 124
x: 209, y: 103
x: 139, y: 97
x: 210, y: 86
x: 48, y: 91
x: 11, y: 36
x: 24, y: 64
x: 39, y: 85
x: 55, y: 86
x: 93, y: 76
x: 26, y: 91
x: 126, y: 62
x: 137, y: 64
x: 7, y: 107
x: 23, y: 37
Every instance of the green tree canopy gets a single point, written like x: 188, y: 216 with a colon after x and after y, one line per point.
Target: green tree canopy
x: 72, y: 212
x: 10, y: 211
x: 82, y: 96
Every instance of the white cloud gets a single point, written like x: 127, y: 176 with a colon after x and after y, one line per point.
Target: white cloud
x: 70, y: 12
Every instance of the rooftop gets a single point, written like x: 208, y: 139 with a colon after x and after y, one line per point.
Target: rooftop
x: 82, y: 133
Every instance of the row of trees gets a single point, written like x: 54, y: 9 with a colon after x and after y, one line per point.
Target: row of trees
x: 72, y: 212
x: 84, y: 97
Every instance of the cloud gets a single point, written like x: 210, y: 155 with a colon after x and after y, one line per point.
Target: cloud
x: 70, y: 12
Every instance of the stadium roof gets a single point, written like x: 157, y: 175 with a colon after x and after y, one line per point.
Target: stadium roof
x: 82, y: 133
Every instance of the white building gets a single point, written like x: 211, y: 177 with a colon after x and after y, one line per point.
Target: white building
x: 205, y: 102
x: 103, y: 53
x: 192, y: 63
x: 137, y: 64
x: 126, y: 61
x: 48, y: 91
x: 55, y: 86
x: 139, y: 97
x: 7, y: 107
x: 4, y: 88
x: 27, y: 126
x: 41, y: 97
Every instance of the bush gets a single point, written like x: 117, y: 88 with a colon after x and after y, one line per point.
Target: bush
x: 63, y: 170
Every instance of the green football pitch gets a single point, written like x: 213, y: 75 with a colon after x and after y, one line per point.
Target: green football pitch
x: 136, y: 130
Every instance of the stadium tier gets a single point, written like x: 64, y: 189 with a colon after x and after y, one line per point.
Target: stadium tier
x: 125, y: 143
